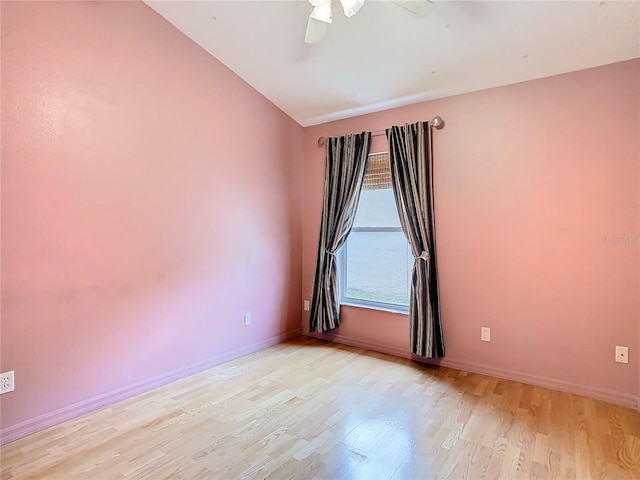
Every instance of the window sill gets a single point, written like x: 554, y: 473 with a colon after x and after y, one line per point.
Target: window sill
x: 375, y: 307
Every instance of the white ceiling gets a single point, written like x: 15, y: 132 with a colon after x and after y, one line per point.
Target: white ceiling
x: 383, y: 57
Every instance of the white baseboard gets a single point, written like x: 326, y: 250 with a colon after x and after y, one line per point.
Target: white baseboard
x: 610, y: 396
x: 49, y: 419
x: 331, y: 337
x: 606, y: 395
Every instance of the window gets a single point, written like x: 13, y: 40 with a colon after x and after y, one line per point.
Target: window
x: 376, y: 260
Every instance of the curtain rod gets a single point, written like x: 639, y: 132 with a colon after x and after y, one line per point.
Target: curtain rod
x: 436, y: 122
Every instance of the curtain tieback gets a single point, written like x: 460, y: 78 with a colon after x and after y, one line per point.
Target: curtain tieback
x: 424, y: 255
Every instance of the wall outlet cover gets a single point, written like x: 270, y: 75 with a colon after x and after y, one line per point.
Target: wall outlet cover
x: 485, y: 334
x: 622, y: 354
x: 7, y: 383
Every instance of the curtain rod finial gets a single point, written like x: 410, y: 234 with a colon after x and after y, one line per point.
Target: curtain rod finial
x: 437, y: 122
x: 322, y: 141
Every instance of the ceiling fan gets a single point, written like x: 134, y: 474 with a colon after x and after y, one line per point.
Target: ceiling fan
x: 320, y: 16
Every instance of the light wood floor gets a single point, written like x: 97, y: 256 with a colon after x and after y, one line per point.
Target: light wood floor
x: 306, y: 409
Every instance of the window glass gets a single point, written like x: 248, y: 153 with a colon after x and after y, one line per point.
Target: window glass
x: 376, y: 261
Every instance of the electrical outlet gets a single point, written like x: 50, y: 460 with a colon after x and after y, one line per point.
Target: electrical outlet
x: 306, y: 306
x: 6, y: 382
x: 622, y: 354
x: 485, y: 334
x: 247, y: 319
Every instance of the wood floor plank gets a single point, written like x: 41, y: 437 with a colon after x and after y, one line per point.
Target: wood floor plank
x: 309, y: 409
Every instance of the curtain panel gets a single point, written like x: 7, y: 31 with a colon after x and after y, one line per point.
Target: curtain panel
x: 345, y: 164
x: 411, y: 157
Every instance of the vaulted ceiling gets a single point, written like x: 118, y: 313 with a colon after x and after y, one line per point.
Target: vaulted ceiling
x: 384, y: 57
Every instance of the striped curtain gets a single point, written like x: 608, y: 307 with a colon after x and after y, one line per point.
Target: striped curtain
x: 411, y: 157
x: 345, y: 164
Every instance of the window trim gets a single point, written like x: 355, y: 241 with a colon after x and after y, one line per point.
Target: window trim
x: 342, y: 277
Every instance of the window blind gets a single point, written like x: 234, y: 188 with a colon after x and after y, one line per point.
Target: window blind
x: 377, y: 174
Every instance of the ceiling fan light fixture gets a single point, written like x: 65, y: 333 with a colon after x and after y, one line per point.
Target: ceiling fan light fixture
x: 321, y: 10
x: 351, y: 7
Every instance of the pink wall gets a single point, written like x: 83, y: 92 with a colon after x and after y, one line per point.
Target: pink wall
x: 150, y: 197
x: 530, y: 179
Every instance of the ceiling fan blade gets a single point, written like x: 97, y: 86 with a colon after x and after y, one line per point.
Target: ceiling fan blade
x: 419, y: 8
x: 315, y: 30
